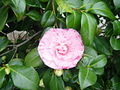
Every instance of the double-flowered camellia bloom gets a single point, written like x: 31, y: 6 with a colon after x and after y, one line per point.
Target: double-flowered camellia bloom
x: 61, y: 48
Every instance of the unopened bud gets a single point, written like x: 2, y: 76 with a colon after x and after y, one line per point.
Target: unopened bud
x: 7, y: 70
x: 68, y: 88
x: 41, y: 84
x: 58, y: 72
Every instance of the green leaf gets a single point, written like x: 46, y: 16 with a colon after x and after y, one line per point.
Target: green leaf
x: 48, y: 19
x: 115, y: 83
x: 18, y: 7
x: 90, y: 51
x: 99, y: 61
x: 67, y: 75
x: 73, y: 20
x: 115, y: 43
x: 2, y: 75
x: 68, y: 5
x: 117, y: 3
x: 116, y: 27
x: 3, y: 17
x: 98, y: 71
x: 16, y: 61
x: 24, y: 77
x: 35, y: 15
x: 33, y: 3
x: 89, y: 3
x: 56, y: 83
x: 88, y: 28
x: 43, y: 0
x: 86, y: 77
x: 102, y: 45
x: 33, y: 59
x: 102, y: 9
x: 3, y: 43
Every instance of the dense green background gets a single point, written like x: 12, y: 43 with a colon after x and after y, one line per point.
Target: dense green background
x: 20, y: 65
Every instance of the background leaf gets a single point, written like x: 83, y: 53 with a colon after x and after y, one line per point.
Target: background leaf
x: 116, y: 27
x: 48, y: 19
x: 18, y: 7
x: 86, y: 77
x: 24, y: 77
x: 33, y: 59
x: 102, y: 9
x: 3, y: 17
x: 73, y: 20
x: 117, y: 3
x: 3, y: 43
x: 2, y: 76
x: 115, y: 43
x: 88, y: 28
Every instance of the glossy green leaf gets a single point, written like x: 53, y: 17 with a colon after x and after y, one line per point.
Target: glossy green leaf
x: 100, y: 8
x: 48, y: 19
x: 99, y: 61
x: 2, y: 75
x: 90, y: 51
x: 117, y: 3
x: 73, y: 20
x: 116, y: 27
x: 33, y: 3
x: 56, y: 83
x: 24, y: 77
x: 98, y: 71
x: 18, y: 7
x: 89, y: 3
x: 88, y: 28
x: 115, y: 43
x: 33, y: 59
x: 68, y: 5
x: 16, y: 61
x: 102, y: 45
x: 3, y: 43
x: 35, y: 15
x: 86, y: 77
x: 3, y: 17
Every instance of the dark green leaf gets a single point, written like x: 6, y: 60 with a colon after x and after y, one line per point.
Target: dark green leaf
x: 56, y: 83
x: 48, y: 19
x: 102, y: 9
x: 88, y: 28
x: 3, y: 43
x: 16, y: 61
x: 102, y: 45
x: 35, y: 15
x: 115, y: 43
x: 33, y: 59
x: 98, y: 71
x: 73, y: 20
x: 33, y: 3
x: 117, y: 3
x: 116, y: 27
x: 43, y: 0
x: 89, y: 3
x: 99, y: 61
x: 25, y: 77
x: 68, y: 5
x: 18, y: 7
x: 2, y: 75
x: 67, y: 75
x: 3, y: 17
x: 86, y: 77
x: 115, y: 83
x: 46, y: 79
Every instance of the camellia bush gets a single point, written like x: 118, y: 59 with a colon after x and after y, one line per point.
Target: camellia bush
x: 59, y: 44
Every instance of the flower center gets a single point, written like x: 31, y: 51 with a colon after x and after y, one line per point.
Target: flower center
x: 62, y: 49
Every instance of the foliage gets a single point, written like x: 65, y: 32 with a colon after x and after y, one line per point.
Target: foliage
x: 20, y: 64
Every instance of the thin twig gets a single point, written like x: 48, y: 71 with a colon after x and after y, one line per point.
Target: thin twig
x: 16, y: 46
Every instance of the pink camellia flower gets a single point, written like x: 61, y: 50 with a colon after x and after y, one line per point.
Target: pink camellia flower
x: 61, y: 48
